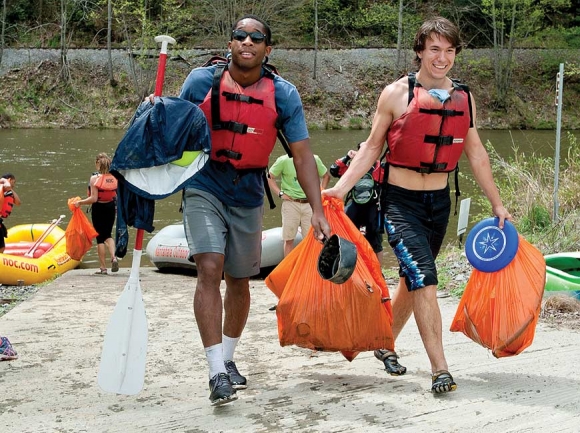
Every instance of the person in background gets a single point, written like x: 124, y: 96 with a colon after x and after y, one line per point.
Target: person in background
x: 102, y: 197
x: 296, y: 211
x: 427, y: 121
x: 362, y: 202
x: 11, y: 199
x: 223, y: 206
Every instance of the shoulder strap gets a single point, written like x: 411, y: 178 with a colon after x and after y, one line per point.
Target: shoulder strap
x: 214, y: 60
x: 412, y: 83
x: 459, y: 85
x: 215, y: 96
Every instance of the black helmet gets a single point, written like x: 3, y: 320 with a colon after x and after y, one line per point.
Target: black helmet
x: 337, y: 260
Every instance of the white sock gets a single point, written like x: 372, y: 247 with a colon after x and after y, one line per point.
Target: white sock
x: 229, y: 346
x: 215, y: 359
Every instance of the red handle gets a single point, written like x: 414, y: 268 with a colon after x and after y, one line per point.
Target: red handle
x: 160, y: 74
x: 165, y: 40
x: 158, y: 92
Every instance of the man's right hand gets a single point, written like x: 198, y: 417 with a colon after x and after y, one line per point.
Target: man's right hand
x: 321, y: 227
x: 334, y: 192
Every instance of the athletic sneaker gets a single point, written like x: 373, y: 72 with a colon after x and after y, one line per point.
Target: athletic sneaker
x: 114, y: 266
x: 221, y: 390
x: 237, y: 380
x: 7, y: 352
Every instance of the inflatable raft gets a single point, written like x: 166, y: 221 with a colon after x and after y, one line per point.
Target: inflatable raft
x: 563, y: 274
x: 168, y: 249
x: 19, y: 265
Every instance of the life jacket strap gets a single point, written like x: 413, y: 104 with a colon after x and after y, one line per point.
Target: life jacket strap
x: 239, y: 128
x: 441, y: 112
x: 242, y: 98
x: 439, y: 140
x: 230, y: 154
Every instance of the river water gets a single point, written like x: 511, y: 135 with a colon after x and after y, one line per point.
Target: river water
x: 53, y: 165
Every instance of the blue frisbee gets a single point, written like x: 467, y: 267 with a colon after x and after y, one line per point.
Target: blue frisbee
x: 489, y: 248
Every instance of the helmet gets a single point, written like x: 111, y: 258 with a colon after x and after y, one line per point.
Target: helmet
x: 337, y: 260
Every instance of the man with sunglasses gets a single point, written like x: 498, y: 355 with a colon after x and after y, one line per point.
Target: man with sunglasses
x: 427, y: 121
x: 245, y: 104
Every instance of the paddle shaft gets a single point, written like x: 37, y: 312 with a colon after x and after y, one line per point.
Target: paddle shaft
x: 165, y: 40
x: 49, y: 229
x: 54, y: 244
x: 123, y: 359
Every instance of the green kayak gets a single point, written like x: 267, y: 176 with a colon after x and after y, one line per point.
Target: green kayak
x: 563, y: 274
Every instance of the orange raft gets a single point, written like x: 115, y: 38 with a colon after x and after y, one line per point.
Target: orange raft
x: 48, y: 261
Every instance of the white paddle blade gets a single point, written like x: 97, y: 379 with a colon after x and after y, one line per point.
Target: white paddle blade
x: 463, y: 216
x: 122, y: 367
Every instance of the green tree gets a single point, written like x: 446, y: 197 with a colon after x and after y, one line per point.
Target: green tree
x: 511, y: 21
x: 2, y: 30
x: 72, y: 13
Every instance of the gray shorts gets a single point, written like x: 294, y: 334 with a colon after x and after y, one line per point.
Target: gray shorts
x: 213, y: 227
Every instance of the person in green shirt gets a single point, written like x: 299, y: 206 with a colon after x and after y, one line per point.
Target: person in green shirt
x: 296, y: 212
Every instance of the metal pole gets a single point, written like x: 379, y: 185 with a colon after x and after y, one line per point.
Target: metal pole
x: 559, y: 89
x: 315, y: 37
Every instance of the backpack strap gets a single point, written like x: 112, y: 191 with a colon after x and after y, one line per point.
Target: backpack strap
x: 457, y: 192
x: 265, y: 176
x: 412, y: 83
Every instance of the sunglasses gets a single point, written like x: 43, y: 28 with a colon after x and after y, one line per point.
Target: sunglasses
x: 241, y: 35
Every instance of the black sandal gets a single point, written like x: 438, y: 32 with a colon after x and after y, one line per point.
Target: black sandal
x: 442, y: 382
x: 389, y: 358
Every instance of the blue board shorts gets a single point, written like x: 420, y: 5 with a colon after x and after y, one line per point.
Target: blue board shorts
x: 213, y: 227
x: 416, y: 222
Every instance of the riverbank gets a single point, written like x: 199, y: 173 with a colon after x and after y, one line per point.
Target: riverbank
x: 343, y: 94
x: 58, y: 334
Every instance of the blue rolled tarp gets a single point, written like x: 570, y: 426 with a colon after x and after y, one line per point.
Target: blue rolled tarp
x: 148, y: 162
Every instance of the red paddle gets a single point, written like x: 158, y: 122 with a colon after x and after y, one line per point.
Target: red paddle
x: 122, y: 368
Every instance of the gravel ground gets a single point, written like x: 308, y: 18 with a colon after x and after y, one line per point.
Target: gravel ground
x: 10, y: 296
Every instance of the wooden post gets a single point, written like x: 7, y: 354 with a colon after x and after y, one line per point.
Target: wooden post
x: 559, y: 89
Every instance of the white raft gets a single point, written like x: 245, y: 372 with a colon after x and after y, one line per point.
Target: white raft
x: 168, y: 249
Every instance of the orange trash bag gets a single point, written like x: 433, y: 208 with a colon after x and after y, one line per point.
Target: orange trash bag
x: 79, y: 233
x: 317, y: 314
x: 499, y: 310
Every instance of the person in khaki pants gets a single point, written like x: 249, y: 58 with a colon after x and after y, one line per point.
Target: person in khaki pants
x: 296, y: 212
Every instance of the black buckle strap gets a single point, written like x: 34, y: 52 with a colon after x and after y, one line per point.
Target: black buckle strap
x: 439, y: 140
x: 441, y: 112
x: 427, y: 167
x: 239, y: 128
x: 242, y: 98
x: 230, y: 154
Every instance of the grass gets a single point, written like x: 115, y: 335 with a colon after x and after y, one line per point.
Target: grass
x: 526, y: 184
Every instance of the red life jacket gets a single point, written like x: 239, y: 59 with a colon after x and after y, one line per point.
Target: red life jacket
x: 7, y: 205
x: 243, y: 120
x: 429, y: 136
x: 106, y: 185
x: 378, y: 172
